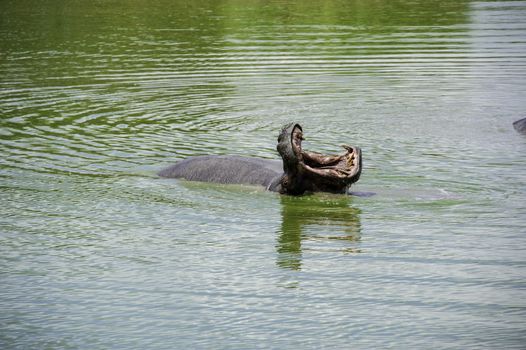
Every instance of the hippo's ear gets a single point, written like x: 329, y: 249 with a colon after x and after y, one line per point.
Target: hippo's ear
x: 285, y: 149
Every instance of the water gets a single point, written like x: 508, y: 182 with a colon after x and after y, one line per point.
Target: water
x: 96, y: 252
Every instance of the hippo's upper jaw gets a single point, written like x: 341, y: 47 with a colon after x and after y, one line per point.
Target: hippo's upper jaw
x: 310, y: 171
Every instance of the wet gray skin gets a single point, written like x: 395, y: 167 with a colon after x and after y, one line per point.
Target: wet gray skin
x: 298, y: 172
x: 520, y: 126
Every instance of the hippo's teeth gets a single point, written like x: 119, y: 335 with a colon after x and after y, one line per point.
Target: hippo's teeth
x: 350, y: 161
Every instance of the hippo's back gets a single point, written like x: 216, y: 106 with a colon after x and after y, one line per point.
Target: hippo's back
x: 225, y: 170
x: 520, y: 126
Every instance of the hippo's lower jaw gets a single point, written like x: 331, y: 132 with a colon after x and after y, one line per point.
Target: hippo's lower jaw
x: 333, y: 173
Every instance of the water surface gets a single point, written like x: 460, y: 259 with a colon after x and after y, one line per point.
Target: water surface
x: 97, y: 252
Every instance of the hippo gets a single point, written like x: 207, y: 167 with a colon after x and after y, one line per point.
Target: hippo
x: 520, y: 126
x: 298, y: 172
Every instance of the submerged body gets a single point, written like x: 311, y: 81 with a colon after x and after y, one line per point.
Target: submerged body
x: 300, y: 171
x: 228, y: 170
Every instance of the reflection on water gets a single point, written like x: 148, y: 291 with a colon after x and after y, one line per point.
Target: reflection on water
x: 97, y: 96
x: 315, y: 218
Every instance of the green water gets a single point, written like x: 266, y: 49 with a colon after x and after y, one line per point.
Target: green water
x: 97, y: 252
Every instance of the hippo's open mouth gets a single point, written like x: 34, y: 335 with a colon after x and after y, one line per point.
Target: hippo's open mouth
x: 315, y: 171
